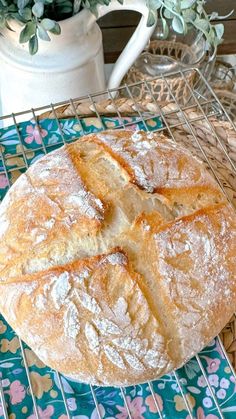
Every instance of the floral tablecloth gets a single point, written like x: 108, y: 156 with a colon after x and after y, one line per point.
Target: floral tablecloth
x: 35, y: 141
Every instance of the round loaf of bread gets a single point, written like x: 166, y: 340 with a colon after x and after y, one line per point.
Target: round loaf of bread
x: 117, y: 258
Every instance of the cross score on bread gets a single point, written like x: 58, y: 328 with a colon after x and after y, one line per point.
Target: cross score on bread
x: 117, y: 257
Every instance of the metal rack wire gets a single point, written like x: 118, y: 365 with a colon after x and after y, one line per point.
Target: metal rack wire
x: 207, y: 107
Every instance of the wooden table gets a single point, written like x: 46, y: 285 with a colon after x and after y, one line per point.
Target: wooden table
x: 117, y: 27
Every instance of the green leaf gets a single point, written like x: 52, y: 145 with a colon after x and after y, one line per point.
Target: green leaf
x: 2, y: 22
x: 33, y: 45
x: 189, y: 15
x: 56, y: 30
x: 154, y: 4
x: 219, y: 28
x: 26, y: 33
x: 200, y: 8
x: 151, y: 18
x: 22, y: 3
x: 168, y: 14
x: 42, y: 33
x: 77, y: 5
x: 26, y: 13
x: 201, y: 24
x: 48, y: 24
x: 186, y: 4
x: 38, y: 9
x: 177, y: 25
x: 191, y: 369
x: 165, y: 28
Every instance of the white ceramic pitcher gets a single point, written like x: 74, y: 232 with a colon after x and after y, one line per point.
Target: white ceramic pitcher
x: 68, y: 66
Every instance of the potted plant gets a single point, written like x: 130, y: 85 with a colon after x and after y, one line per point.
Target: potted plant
x: 51, y: 50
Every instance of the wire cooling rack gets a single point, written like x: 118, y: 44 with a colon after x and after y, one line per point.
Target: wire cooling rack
x: 197, y: 110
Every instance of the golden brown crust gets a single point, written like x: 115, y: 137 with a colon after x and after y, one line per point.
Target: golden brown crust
x: 113, y: 249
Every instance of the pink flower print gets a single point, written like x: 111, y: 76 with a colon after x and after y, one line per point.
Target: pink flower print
x: 135, y: 406
x: 221, y: 394
x: 201, y: 415
x: 5, y: 383
x: 43, y: 414
x: 201, y: 382
x: 3, y: 181
x: 129, y: 121
x: 224, y: 383
x: 214, y: 380
x: 35, y: 134
x: 232, y: 379
x: 149, y: 401
x: 212, y: 364
x: 208, y: 392
x: 16, y: 392
x: 175, y: 387
x: 207, y: 402
x: 132, y: 127
x: 72, y: 404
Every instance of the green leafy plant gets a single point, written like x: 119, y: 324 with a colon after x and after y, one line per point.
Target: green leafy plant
x: 40, y: 18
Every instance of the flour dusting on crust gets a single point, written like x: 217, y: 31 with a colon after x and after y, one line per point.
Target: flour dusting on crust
x: 60, y: 289
x: 71, y: 321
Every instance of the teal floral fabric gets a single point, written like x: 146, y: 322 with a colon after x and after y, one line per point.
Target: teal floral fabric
x: 18, y: 149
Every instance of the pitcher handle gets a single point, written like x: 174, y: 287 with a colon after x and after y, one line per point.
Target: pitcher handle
x: 137, y: 42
